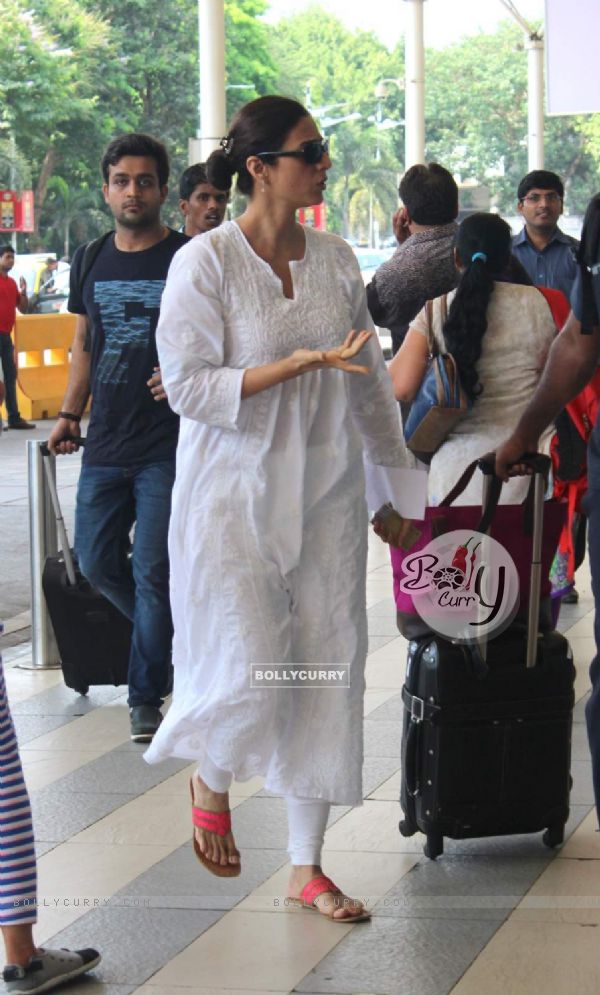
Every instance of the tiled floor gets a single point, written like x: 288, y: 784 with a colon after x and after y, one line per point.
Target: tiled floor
x: 501, y: 916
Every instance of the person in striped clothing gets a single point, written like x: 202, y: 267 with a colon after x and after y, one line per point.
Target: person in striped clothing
x: 29, y: 969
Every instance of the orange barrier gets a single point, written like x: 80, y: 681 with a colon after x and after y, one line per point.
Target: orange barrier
x: 43, y: 353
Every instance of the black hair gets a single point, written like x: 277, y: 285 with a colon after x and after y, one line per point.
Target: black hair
x: 6, y: 248
x: 192, y: 177
x: 260, y: 126
x: 542, y: 179
x: 430, y: 194
x: 135, y: 143
x: 489, y: 239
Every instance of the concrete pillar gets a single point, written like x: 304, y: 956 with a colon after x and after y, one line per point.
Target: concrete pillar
x: 415, y: 85
x: 535, y: 102
x: 211, y: 50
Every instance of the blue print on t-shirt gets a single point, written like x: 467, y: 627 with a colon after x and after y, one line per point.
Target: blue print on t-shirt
x: 127, y: 308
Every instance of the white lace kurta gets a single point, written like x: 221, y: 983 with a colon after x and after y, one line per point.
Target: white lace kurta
x: 268, y: 533
x: 515, y: 345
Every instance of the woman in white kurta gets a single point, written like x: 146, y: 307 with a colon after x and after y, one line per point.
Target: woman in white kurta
x: 499, y: 333
x: 268, y: 534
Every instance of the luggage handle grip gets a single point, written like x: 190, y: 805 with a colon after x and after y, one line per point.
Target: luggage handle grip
x: 79, y: 439
x: 537, y: 462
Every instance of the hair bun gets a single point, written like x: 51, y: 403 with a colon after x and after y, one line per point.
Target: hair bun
x: 220, y: 167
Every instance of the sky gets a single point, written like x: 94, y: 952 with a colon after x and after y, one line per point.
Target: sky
x: 446, y: 21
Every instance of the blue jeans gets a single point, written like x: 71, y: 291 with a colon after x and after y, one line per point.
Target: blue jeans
x: 109, y: 500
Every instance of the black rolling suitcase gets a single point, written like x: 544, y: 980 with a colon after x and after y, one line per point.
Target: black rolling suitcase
x: 93, y: 637
x: 489, y: 755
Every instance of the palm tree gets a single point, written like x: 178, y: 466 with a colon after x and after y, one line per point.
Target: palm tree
x: 65, y: 206
x: 356, y: 168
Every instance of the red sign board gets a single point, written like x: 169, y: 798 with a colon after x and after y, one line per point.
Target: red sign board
x: 16, y: 210
x: 313, y: 217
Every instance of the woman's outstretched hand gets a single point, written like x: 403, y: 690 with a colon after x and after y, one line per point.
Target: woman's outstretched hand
x: 304, y: 361
x: 336, y: 359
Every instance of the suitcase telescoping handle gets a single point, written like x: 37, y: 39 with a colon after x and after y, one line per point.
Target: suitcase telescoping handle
x: 540, y: 467
x: 63, y: 538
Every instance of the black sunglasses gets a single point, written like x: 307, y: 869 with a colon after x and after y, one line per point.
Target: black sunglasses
x: 312, y: 152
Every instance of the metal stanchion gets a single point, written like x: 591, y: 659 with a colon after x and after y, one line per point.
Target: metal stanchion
x: 42, y: 543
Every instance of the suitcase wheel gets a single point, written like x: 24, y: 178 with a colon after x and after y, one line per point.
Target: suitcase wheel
x: 434, y: 846
x: 407, y: 828
x: 554, y: 835
x: 83, y: 689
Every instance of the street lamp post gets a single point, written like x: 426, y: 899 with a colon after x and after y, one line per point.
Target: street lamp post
x: 381, y: 92
x: 381, y: 124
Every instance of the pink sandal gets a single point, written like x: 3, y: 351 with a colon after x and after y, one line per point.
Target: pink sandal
x: 318, y: 886
x: 213, y: 822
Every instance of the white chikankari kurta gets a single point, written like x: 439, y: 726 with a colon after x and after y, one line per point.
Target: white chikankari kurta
x: 268, y: 535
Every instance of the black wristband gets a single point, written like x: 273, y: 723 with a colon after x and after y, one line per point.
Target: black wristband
x: 69, y: 416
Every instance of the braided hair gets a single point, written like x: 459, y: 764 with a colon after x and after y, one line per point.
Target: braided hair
x: 483, y: 242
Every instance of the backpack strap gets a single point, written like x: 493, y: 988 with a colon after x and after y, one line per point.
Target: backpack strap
x: 90, y: 254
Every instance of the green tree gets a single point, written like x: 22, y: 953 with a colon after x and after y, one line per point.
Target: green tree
x: 71, y: 211
x: 248, y: 57
x: 355, y: 169
x: 51, y: 53
x: 155, y: 46
x: 77, y: 72
x: 476, y: 119
x: 15, y: 171
x: 335, y: 72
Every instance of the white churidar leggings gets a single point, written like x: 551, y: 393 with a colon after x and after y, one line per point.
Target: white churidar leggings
x: 307, y: 817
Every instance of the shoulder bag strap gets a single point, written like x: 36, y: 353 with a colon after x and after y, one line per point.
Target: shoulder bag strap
x: 444, y: 308
x: 433, y: 346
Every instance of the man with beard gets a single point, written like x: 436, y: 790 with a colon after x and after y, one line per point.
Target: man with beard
x: 128, y: 465
x: 202, y: 205
x: 541, y: 247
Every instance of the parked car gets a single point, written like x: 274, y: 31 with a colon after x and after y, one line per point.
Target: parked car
x: 52, y: 299
x: 42, y: 300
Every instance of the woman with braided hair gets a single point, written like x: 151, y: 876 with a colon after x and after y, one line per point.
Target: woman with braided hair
x: 499, y: 333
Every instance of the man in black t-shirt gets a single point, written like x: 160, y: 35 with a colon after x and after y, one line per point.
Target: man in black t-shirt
x: 128, y: 465
x: 572, y: 361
